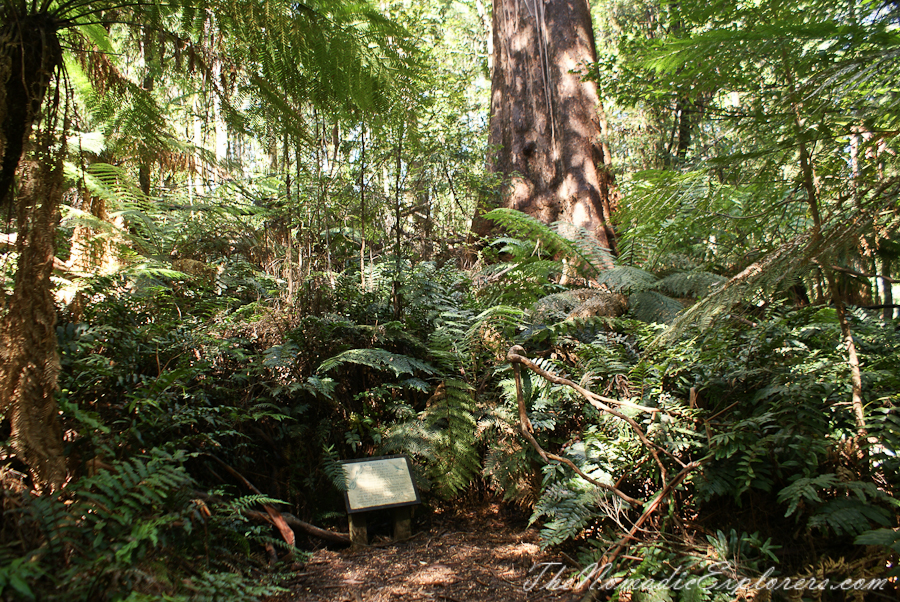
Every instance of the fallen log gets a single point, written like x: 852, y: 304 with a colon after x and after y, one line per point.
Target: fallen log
x: 307, y: 528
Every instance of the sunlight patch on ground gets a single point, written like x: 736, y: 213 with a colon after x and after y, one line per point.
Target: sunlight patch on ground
x: 434, y: 574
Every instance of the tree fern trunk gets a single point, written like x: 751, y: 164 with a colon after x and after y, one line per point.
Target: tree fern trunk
x: 545, y: 128
x: 29, y: 55
x: 28, y: 373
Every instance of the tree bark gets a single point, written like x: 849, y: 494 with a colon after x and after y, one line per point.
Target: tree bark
x: 29, y: 55
x: 545, y: 132
x: 28, y: 347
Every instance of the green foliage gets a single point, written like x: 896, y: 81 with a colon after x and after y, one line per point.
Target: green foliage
x: 567, y: 508
x: 378, y: 359
x: 442, y: 437
x: 650, y: 306
x: 549, y: 238
x: 104, y: 536
x: 889, y: 538
x: 627, y: 279
x: 317, y: 187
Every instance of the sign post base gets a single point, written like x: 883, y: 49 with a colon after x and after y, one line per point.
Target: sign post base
x: 402, y: 523
x: 359, y: 535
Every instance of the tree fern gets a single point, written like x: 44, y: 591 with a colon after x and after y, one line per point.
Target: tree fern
x: 627, y: 279
x: 451, y: 418
x: 696, y: 283
x: 651, y: 306
x: 550, y: 239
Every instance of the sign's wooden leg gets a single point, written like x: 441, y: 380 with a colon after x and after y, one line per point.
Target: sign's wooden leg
x: 359, y: 536
x: 402, y: 523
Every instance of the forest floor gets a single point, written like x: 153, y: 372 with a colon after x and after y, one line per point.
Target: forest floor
x: 485, y: 554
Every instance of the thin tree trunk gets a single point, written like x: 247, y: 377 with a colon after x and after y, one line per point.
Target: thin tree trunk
x: 887, y: 295
x: 398, y: 231
x: 809, y: 179
x: 545, y: 126
x: 362, y: 207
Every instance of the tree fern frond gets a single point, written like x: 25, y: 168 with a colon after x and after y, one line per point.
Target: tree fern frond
x: 627, y: 279
x: 450, y: 418
x: 650, y: 306
x: 697, y: 283
x: 378, y: 359
x: 526, y: 227
x: 442, y: 438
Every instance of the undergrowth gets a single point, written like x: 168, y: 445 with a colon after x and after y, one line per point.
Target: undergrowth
x: 178, y: 391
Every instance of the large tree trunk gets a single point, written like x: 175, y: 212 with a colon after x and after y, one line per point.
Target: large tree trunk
x: 545, y: 130
x: 28, y: 346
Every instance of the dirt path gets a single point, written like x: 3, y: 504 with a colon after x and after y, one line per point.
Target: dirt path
x: 470, y: 559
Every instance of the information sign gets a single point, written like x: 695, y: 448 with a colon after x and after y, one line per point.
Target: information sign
x: 375, y: 483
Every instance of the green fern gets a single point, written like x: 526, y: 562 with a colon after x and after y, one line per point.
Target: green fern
x: 559, y: 239
x: 524, y: 226
x: 378, y: 359
x: 443, y: 436
x: 889, y: 538
x: 627, y: 279
x: 849, y: 516
x: 331, y: 466
x: 237, y: 506
x: 103, y: 525
x: 696, y: 283
x: 567, y: 508
x: 650, y: 306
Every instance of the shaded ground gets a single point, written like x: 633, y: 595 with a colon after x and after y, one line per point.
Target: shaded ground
x: 480, y: 557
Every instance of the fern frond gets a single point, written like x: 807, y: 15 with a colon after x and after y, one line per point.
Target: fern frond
x: 549, y: 238
x: 849, y: 516
x: 567, y: 508
x: 627, y: 279
x: 333, y: 469
x: 697, y: 283
x: 378, y: 359
x: 650, y: 306
x: 443, y: 436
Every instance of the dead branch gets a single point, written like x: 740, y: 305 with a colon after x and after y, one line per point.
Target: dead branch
x: 275, y: 517
x: 517, y: 359
x: 307, y: 528
x: 598, y: 401
x: 526, y: 428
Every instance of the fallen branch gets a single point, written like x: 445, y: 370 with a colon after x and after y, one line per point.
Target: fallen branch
x: 275, y: 517
x: 307, y: 528
x: 527, y: 430
x: 652, y: 508
x: 289, y: 518
x: 598, y: 401
x: 517, y: 359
